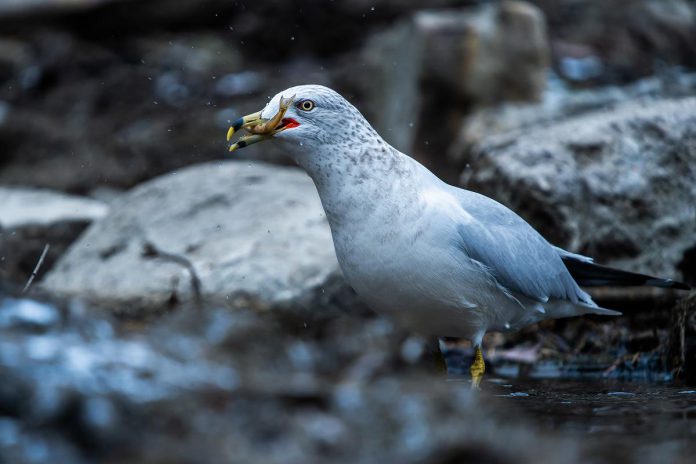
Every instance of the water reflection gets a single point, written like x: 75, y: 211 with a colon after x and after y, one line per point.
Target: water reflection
x: 649, y: 412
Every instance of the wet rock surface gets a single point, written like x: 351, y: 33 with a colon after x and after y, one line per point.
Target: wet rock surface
x: 616, y: 185
x: 31, y: 219
x: 230, y: 231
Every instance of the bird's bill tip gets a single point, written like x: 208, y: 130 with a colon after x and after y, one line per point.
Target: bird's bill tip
x: 260, y: 128
x: 243, y: 122
x: 248, y: 140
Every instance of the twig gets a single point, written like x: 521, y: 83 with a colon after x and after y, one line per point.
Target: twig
x: 151, y: 251
x: 36, y: 268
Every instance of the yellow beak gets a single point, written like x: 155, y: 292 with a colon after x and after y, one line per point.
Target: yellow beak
x: 241, y: 123
x: 259, y: 129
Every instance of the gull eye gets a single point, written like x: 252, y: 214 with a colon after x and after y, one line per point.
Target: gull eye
x: 306, y: 105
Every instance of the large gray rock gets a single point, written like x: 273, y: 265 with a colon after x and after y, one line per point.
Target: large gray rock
x: 31, y: 219
x: 251, y: 233
x: 426, y: 72
x: 559, y: 103
x: 618, y: 185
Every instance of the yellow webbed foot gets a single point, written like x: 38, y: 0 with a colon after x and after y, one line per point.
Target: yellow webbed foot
x: 478, y: 367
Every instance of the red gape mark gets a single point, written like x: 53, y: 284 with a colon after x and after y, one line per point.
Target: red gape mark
x: 289, y: 123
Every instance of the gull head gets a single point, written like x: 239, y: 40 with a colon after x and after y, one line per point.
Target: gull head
x: 303, y: 117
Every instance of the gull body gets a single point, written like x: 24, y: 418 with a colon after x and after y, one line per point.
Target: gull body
x: 437, y: 259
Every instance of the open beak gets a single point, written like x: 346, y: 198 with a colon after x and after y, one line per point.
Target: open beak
x: 260, y: 129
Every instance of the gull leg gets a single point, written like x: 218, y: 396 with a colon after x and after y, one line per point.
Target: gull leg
x: 478, y: 367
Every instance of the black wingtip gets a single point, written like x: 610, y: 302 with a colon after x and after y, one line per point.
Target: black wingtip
x: 667, y: 283
x: 590, y: 274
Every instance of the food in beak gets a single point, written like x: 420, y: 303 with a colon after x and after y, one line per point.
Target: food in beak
x: 261, y: 129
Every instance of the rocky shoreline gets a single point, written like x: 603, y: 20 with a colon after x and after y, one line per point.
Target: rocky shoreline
x: 190, y: 308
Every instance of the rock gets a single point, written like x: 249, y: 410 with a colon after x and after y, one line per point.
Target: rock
x: 441, y: 62
x: 618, y: 185
x: 471, y: 53
x: 251, y: 233
x: 30, y: 219
x: 392, y: 85
x: 20, y: 208
x: 559, y: 102
x: 619, y: 40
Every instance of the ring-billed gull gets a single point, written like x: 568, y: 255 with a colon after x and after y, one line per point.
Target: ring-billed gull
x: 437, y: 259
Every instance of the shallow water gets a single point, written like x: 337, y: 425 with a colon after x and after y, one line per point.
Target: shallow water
x: 604, y: 407
x: 616, y: 410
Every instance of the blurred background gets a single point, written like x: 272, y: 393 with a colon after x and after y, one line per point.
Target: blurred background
x: 580, y: 115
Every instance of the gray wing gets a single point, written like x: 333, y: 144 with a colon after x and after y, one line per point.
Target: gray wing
x: 517, y: 255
